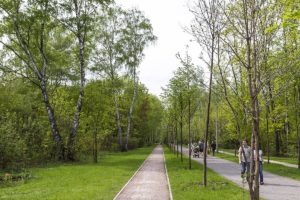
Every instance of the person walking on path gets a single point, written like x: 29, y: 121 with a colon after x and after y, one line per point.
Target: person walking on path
x: 213, y: 147
x: 244, y: 158
x: 260, y: 156
x: 201, y: 147
x: 275, y: 187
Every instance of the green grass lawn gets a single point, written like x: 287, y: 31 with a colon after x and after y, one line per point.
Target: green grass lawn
x: 187, y: 184
x: 283, y: 159
x: 79, y: 180
x: 291, y: 160
x: 281, y: 170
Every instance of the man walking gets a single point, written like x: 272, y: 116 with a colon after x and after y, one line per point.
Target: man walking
x: 244, y: 158
x: 213, y: 147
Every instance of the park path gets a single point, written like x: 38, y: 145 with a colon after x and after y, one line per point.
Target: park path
x: 275, y: 188
x: 150, y: 181
x: 271, y: 161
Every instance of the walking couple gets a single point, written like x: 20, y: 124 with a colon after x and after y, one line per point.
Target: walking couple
x: 245, y: 156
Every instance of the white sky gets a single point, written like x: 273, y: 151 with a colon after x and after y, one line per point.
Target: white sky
x: 167, y: 18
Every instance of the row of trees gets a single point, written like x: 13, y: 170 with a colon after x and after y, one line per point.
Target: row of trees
x: 73, y: 64
x: 26, y: 137
x: 251, y: 51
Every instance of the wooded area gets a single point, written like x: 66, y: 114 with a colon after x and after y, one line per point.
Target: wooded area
x: 69, y: 81
x: 251, y: 49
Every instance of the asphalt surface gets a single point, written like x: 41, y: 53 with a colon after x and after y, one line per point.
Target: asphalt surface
x: 275, y: 187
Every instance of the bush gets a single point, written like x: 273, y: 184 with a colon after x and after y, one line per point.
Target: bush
x: 133, y: 143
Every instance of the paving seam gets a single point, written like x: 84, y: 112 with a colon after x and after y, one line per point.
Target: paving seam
x: 170, y: 190
x: 133, y: 175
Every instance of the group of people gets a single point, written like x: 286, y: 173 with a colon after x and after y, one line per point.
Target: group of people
x: 200, y: 147
x: 245, y: 156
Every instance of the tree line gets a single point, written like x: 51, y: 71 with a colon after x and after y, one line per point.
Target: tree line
x: 69, y: 80
x: 252, y: 89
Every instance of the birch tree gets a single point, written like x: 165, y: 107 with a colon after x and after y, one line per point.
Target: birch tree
x: 121, y: 47
x: 137, y: 35
x: 25, y: 35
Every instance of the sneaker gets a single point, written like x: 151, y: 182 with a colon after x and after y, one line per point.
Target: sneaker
x: 262, y: 183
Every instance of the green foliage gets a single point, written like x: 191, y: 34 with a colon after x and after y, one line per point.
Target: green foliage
x: 39, y: 45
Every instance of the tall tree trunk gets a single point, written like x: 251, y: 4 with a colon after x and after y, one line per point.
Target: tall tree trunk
x: 297, y: 124
x: 81, y: 31
x: 181, y: 121
x: 287, y: 123
x: 171, y: 137
x: 190, y: 145
x: 131, y: 109
x: 60, y: 149
x: 277, y: 142
x: 118, y: 118
x: 177, y: 150
x: 95, y: 147
x: 254, y: 183
x: 72, y: 136
x: 267, y: 133
x: 174, y: 139
x: 41, y: 76
x: 208, y: 112
x: 116, y: 102
x: 297, y: 101
x: 217, y: 125
x: 250, y: 27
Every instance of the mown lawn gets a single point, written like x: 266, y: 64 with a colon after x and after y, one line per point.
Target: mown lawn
x: 291, y: 160
x: 187, y: 184
x: 281, y: 170
x: 79, y: 180
x: 283, y: 159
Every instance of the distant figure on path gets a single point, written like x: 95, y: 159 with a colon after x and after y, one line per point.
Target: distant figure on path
x: 201, y: 147
x: 244, y: 158
x: 213, y: 147
x: 260, y: 156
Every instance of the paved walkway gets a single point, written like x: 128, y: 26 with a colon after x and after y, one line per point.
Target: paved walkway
x: 271, y: 161
x: 275, y: 188
x: 149, y: 182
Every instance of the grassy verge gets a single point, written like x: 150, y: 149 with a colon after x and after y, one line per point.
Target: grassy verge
x: 79, y: 180
x: 290, y: 160
x: 283, y: 159
x: 187, y: 184
x: 281, y: 170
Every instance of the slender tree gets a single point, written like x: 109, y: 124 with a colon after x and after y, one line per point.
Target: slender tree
x: 204, y: 29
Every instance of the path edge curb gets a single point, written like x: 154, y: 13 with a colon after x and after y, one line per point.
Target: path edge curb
x: 170, y: 189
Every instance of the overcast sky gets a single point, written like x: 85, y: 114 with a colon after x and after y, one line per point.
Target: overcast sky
x: 167, y: 18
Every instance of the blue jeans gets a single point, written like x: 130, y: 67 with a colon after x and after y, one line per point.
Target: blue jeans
x: 245, y: 167
x: 261, y: 176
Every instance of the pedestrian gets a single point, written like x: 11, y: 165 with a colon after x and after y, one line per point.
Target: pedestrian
x: 260, y: 158
x: 201, y: 147
x: 213, y: 147
x: 244, y: 158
